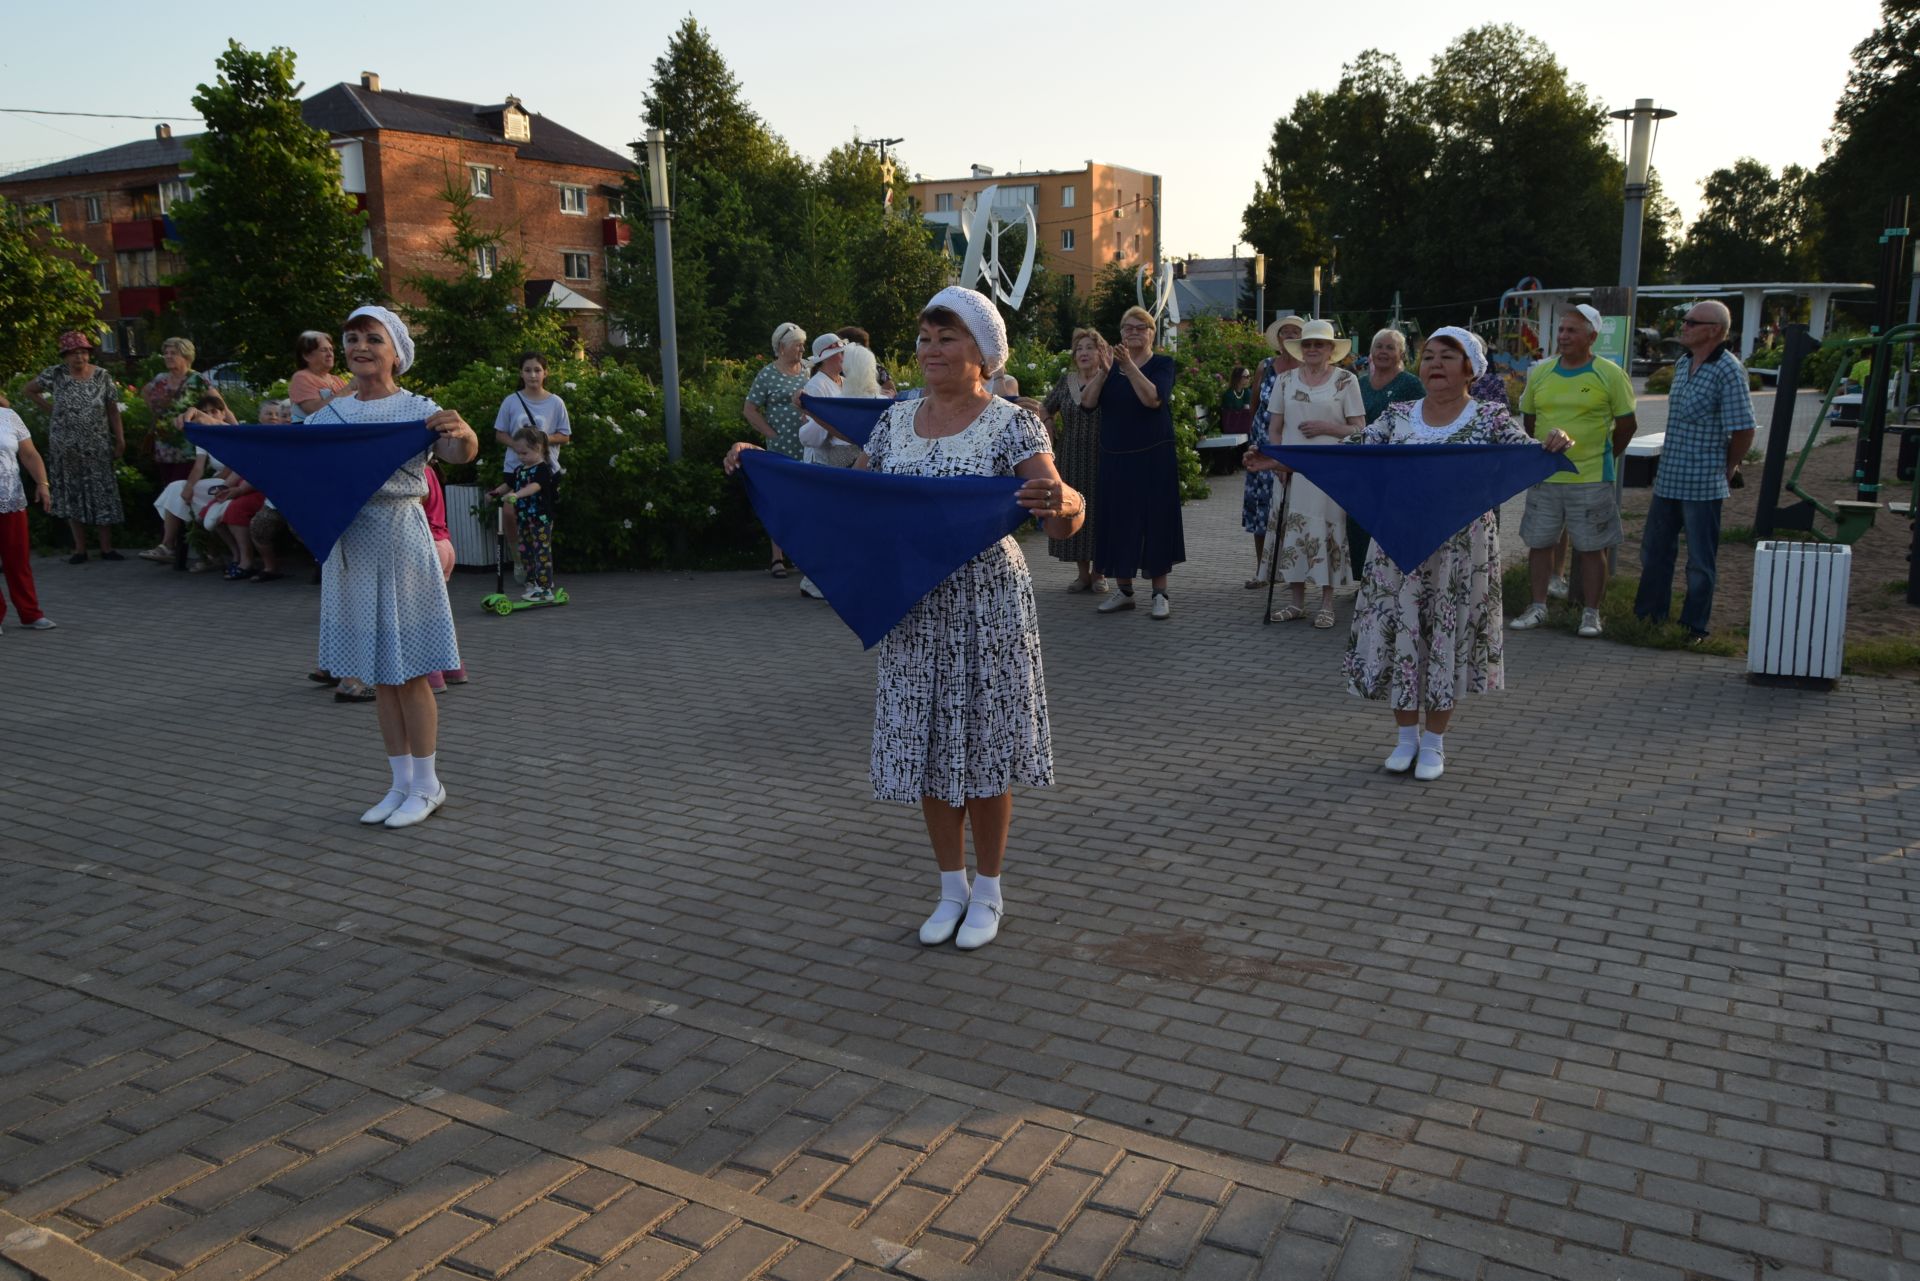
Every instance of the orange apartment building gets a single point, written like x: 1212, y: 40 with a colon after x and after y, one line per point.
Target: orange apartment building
x: 1088, y: 217
x: 554, y: 195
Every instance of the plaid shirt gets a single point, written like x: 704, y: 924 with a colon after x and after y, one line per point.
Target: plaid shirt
x: 1705, y: 406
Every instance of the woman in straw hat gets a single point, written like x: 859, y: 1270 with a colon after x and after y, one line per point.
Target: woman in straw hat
x: 1316, y: 404
x: 1256, y: 505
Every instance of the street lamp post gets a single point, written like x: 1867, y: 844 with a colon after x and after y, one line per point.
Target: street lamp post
x: 1259, y: 291
x: 660, y: 212
x: 1642, y: 127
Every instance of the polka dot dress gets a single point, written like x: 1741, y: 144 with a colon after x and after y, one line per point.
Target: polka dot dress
x: 384, y: 616
x: 960, y: 707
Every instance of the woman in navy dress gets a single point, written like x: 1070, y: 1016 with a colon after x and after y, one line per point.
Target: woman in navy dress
x: 1139, y: 530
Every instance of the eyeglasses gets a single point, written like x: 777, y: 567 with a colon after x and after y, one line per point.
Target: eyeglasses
x: 1694, y: 320
x: 1135, y: 328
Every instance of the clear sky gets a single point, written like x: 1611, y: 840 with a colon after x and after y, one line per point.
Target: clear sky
x: 1187, y: 90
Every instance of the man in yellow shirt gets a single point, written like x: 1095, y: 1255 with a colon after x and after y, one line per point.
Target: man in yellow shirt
x: 1591, y: 399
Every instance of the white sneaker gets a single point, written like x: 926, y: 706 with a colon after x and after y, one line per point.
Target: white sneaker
x: 388, y: 804
x: 1590, y: 622
x: 1116, y: 602
x: 944, y: 920
x: 1162, y: 607
x: 1530, y: 617
x: 416, y: 808
x: 1402, y: 758
x: 807, y: 588
x: 42, y: 624
x: 980, y: 927
x: 1557, y: 587
x: 1430, y: 765
x: 532, y: 593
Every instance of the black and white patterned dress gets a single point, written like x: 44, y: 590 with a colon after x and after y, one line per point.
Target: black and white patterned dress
x: 961, y: 704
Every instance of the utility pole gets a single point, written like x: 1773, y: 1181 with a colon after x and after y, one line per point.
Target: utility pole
x: 886, y: 166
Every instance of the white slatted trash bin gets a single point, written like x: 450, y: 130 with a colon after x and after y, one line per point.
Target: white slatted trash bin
x: 472, y: 539
x: 1798, y: 628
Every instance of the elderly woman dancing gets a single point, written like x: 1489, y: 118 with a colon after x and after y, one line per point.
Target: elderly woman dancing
x: 384, y: 616
x: 1424, y: 637
x: 960, y: 713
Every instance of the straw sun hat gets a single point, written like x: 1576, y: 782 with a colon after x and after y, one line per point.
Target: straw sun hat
x: 1323, y: 330
x: 1273, y: 330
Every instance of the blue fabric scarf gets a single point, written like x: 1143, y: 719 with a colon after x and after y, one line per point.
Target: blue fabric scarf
x: 318, y: 474
x: 1412, y: 498
x: 876, y: 544
x: 853, y: 417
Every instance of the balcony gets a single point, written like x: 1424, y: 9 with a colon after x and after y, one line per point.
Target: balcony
x: 141, y: 300
x: 615, y: 231
x: 144, y: 233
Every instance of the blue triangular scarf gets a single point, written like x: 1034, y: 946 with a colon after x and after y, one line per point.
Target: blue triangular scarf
x: 875, y: 544
x: 852, y: 416
x: 318, y: 474
x: 1412, y: 498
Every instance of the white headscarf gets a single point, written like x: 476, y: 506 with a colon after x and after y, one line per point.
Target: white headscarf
x: 396, y: 334
x: 1469, y: 343
x: 982, y: 321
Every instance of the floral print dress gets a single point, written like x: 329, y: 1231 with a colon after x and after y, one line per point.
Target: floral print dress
x: 1423, y: 639
x: 80, y: 461
x: 960, y: 705
x: 1076, y: 452
x: 1256, y: 504
x: 168, y: 400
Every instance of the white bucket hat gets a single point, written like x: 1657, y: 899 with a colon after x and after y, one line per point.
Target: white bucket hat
x: 825, y: 348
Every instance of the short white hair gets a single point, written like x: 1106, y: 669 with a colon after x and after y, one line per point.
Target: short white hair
x: 859, y: 372
x: 1394, y: 336
x: 1722, y: 317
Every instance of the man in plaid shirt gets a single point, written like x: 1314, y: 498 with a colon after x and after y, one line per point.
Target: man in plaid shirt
x: 1709, y: 430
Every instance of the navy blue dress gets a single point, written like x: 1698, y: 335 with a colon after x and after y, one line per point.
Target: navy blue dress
x: 1139, y: 533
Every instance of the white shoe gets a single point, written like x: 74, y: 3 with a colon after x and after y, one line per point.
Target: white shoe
x: 532, y: 593
x: 1402, y: 758
x: 388, y: 804
x: 980, y: 927
x: 42, y: 624
x: 1590, y: 622
x: 1557, y: 587
x: 1116, y: 602
x: 159, y: 555
x: 942, y: 922
x: 1530, y: 617
x: 1162, y: 607
x: 808, y: 589
x: 416, y: 808
x: 1431, y: 765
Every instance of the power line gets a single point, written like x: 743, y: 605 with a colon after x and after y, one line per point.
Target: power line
x: 92, y: 115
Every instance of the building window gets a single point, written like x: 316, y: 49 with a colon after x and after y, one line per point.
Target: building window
x: 109, y: 341
x: 1066, y: 239
x: 1066, y: 196
x: 94, y: 212
x: 1015, y: 197
x: 100, y: 275
x: 573, y: 200
x: 617, y: 206
x: 486, y: 261
x: 482, y: 181
x: 943, y: 202
x: 52, y: 209
x: 137, y: 268
x: 577, y: 266
x: 174, y: 191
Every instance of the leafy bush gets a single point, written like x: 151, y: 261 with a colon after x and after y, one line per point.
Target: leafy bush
x: 1660, y: 381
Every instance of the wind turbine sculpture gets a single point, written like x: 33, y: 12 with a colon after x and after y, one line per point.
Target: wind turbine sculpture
x: 982, y: 262
x: 1165, y: 307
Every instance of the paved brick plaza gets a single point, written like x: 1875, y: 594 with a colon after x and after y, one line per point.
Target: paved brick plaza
x: 1631, y: 993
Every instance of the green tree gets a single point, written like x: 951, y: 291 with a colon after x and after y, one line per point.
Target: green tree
x: 478, y: 310
x: 270, y: 243
x: 46, y: 288
x: 1753, y: 225
x: 1660, y: 233
x: 1115, y: 288
x: 1870, y: 153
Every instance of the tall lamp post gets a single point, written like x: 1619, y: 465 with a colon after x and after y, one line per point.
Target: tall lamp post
x: 660, y: 212
x: 1260, y: 291
x: 1642, y: 120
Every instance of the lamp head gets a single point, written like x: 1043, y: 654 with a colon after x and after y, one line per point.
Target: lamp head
x: 659, y: 196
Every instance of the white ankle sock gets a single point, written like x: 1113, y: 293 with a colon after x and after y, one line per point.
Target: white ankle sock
x: 1410, y: 737
x: 425, y: 781
x: 402, y: 767
x: 1435, y: 743
x: 953, y: 885
x: 986, y: 889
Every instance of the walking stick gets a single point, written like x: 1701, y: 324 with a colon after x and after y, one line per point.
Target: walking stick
x: 1279, y: 532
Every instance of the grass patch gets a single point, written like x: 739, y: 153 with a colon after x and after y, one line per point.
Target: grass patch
x: 1898, y: 587
x: 1616, y: 615
x: 1882, y: 656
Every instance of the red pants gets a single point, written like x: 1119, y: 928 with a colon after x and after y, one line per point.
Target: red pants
x: 17, y: 565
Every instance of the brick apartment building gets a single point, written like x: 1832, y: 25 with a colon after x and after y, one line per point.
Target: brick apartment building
x: 1088, y: 217
x: 555, y: 195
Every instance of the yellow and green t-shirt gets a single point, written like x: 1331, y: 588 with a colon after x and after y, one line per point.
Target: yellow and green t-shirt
x: 1583, y: 403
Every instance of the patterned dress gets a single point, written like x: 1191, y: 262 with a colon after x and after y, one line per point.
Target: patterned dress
x: 773, y: 392
x: 1076, y: 452
x: 960, y: 708
x: 1423, y: 639
x: 384, y: 616
x: 1256, y: 505
x: 80, y: 461
x: 1313, y: 546
x: 168, y: 400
